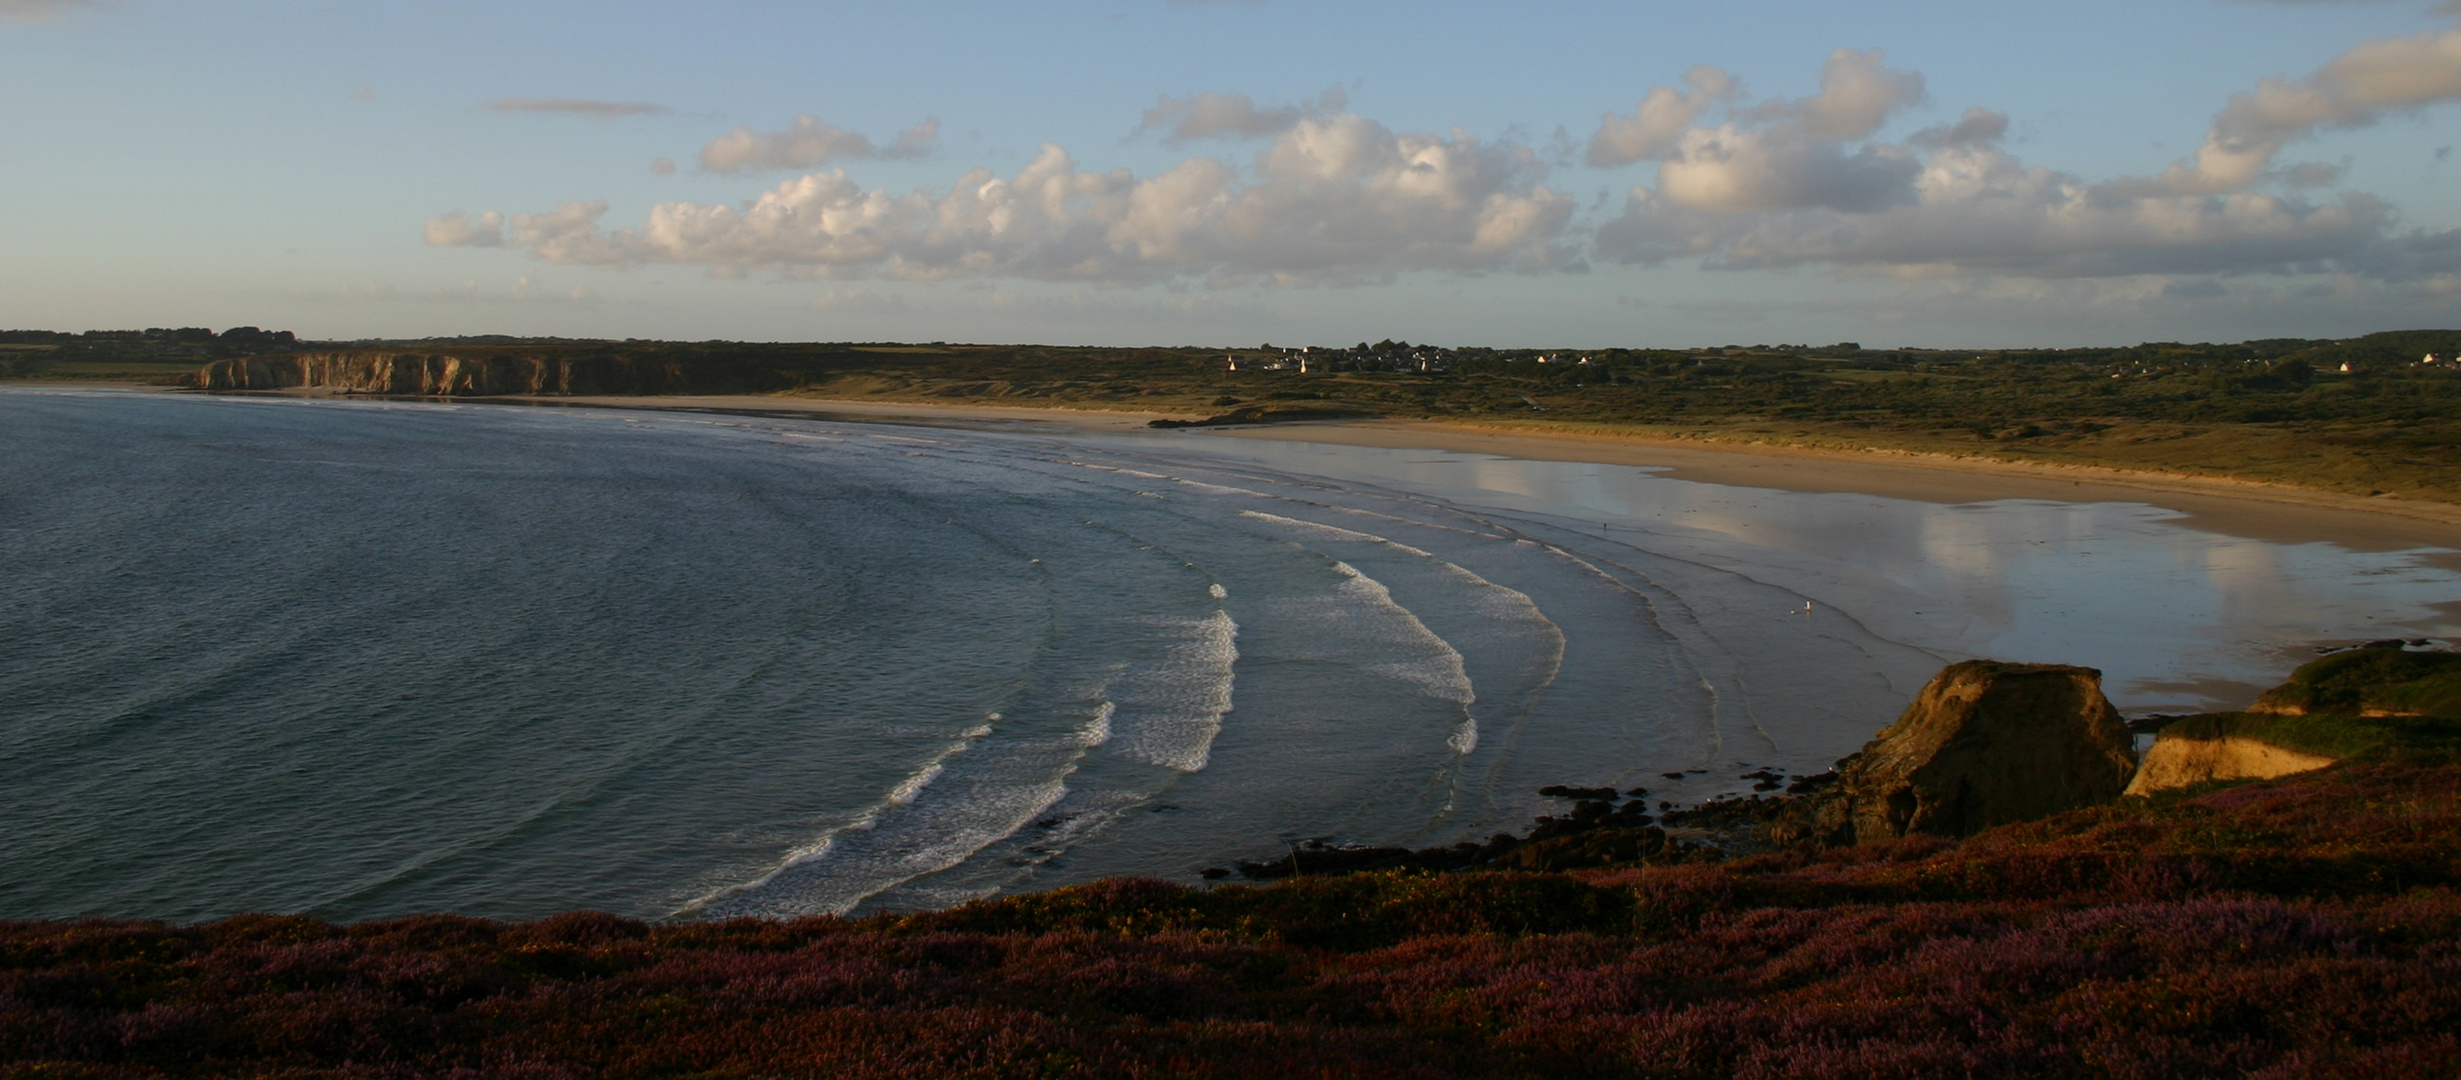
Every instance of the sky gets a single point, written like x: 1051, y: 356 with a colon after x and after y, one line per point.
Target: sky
x: 1237, y: 172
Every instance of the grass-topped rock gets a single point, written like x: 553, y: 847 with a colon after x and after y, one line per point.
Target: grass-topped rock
x: 2385, y: 678
x: 2379, y: 702
x: 1985, y: 744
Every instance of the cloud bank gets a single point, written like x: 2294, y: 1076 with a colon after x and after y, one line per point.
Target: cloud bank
x: 1802, y: 183
x: 1333, y: 199
x: 1738, y: 184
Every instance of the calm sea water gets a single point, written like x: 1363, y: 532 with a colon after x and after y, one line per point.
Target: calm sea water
x: 356, y: 659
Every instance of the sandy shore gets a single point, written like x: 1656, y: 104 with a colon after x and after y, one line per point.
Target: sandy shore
x: 2259, y: 511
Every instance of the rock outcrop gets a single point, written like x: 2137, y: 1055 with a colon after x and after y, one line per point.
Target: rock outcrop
x: 1984, y: 744
x: 482, y: 374
x: 2179, y: 762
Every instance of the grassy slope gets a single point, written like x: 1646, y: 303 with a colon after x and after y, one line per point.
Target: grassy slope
x: 2299, y: 927
x: 2421, y: 692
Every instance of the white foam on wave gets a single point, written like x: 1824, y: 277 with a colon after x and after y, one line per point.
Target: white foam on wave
x: 1509, y: 608
x: 1099, y: 731
x: 1220, y: 489
x: 1427, y: 661
x: 1315, y: 528
x: 1168, y: 713
x: 904, y: 793
x: 935, y: 818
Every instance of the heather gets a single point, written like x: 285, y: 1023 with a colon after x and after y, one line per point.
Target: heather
x: 2298, y: 927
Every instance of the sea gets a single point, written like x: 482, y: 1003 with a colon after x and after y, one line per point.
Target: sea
x: 358, y: 659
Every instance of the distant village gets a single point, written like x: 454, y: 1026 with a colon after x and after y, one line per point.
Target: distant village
x: 1400, y: 356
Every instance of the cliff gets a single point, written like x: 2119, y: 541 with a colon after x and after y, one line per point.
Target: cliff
x: 1984, y: 744
x: 481, y: 373
x: 2184, y: 762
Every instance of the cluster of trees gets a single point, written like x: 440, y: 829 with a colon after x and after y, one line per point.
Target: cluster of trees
x: 234, y: 340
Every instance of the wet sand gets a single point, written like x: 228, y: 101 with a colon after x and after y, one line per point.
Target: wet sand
x: 2272, y: 512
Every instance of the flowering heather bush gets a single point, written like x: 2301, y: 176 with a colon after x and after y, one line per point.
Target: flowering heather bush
x: 2304, y: 927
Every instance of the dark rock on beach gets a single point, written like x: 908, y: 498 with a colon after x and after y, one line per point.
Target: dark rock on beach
x: 1559, y: 791
x: 1984, y: 744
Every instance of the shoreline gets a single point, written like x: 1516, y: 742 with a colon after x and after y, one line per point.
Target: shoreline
x: 2258, y: 511
x: 825, y: 408
x: 2276, y: 513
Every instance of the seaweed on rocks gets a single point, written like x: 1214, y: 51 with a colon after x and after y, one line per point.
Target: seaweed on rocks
x: 1599, y: 832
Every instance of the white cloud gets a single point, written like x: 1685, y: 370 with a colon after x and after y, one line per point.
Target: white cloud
x: 1789, y: 184
x: 2361, y: 86
x: 574, y: 106
x: 1774, y: 155
x: 1731, y: 170
x: 1856, y: 96
x: 1657, y: 124
x: 1979, y: 125
x: 810, y: 143
x: 1334, y: 199
x: 1979, y: 209
x: 457, y: 229
x: 1214, y: 115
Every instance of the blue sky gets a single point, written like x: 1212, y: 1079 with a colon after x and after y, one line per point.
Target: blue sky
x: 1143, y: 171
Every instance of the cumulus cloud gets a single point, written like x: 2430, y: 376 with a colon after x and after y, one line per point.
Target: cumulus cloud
x: 1215, y: 115
x: 1657, y: 124
x: 2372, y: 80
x: 458, y: 229
x: 574, y: 106
x: 810, y: 143
x: 1856, y: 96
x: 1334, y: 199
x: 1734, y: 171
x: 1978, y: 126
x: 1980, y: 209
x: 1798, y: 183
x: 1773, y: 155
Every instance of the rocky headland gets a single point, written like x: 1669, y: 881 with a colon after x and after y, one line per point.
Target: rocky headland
x: 483, y: 373
x: 1985, y: 744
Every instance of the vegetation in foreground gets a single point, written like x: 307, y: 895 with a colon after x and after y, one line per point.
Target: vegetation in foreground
x: 2280, y: 410
x: 2301, y: 927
